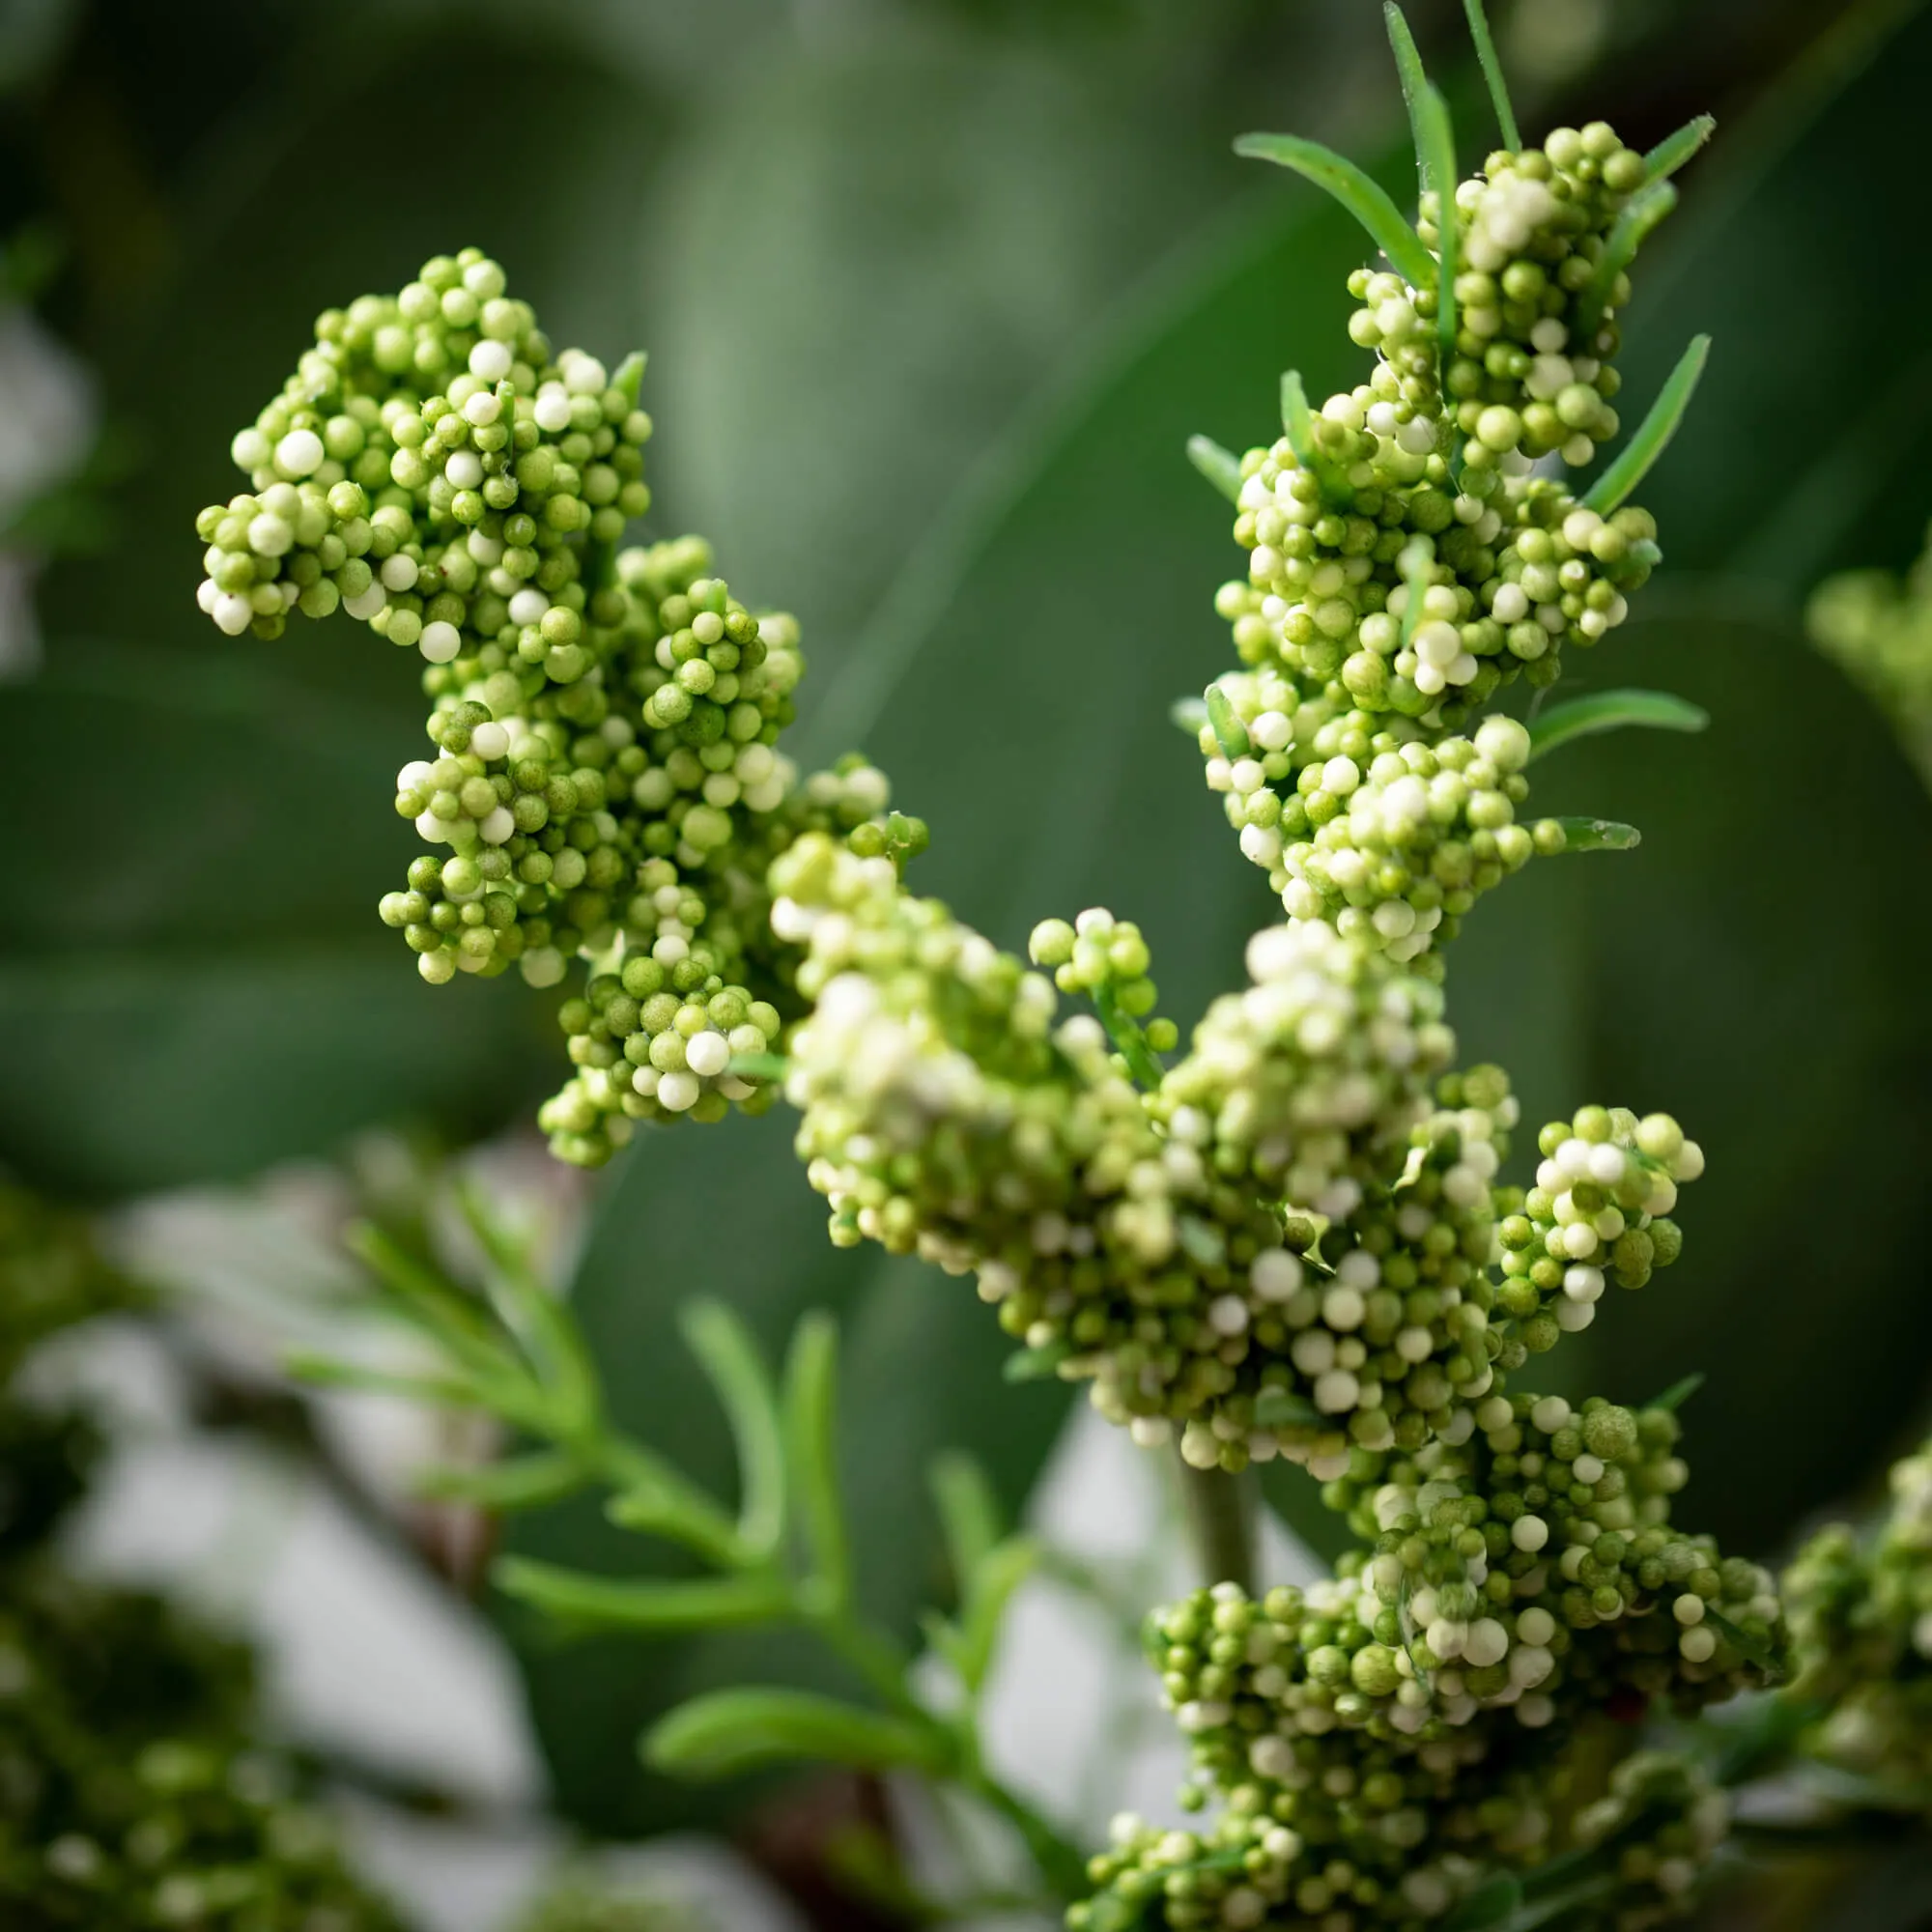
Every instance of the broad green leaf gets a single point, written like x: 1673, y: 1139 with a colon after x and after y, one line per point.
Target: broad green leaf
x: 743, y: 1729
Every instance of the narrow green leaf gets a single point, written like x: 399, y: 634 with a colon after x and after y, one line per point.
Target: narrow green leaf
x: 1493, y: 73
x: 1674, y: 150
x: 1654, y: 433
x: 541, y: 1323
x: 1679, y: 1393
x: 1754, y: 1650
x: 1005, y: 1569
x: 1641, y: 213
x: 1598, y: 834
x: 1363, y: 197
x: 429, y: 1301
x: 649, y: 1605
x: 1297, y: 419
x: 727, y: 1732
x: 1490, y: 1905
x: 1036, y: 1365
x: 516, y: 1483
x: 758, y: 1065
x: 660, y: 1502
x: 1612, y: 711
x: 1222, y: 468
x: 1415, y: 81
x: 332, y: 1372
x: 811, y: 1419
x: 1189, y: 713
x: 1228, y: 730
x: 1430, y: 128
x: 969, y: 1514
x: 729, y: 1358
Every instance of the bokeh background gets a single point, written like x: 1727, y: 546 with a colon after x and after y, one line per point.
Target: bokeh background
x: 934, y: 292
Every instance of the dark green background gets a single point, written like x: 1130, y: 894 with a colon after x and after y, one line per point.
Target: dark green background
x: 934, y: 295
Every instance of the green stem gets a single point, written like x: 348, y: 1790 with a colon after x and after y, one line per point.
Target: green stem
x: 1220, y: 1513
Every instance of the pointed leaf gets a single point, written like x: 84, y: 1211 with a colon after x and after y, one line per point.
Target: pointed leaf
x: 648, y: 1605
x: 729, y: 1358
x: 1365, y: 198
x: 1222, y: 468
x: 1654, y: 433
x: 1493, y: 73
x: 1674, y: 150
x: 516, y: 1482
x: 1228, y: 730
x: 1001, y: 1572
x: 752, y: 1726
x: 969, y: 1514
x: 1598, y: 834
x: 1679, y: 1392
x: 1612, y: 711
x: 811, y: 1419
x: 1641, y: 213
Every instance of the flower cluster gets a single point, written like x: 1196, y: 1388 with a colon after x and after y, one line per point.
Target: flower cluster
x: 1390, y: 837
x: 1861, y: 1630
x: 605, y: 781
x: 1878, y: 626
x: 1366, y: 1735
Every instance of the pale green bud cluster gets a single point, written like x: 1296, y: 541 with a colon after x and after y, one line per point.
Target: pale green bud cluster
x: 1861, y: 1629
x: 1597, y: 1213
x: 1387, y: 835
x: 1385, y: 1739
x: 605, y: 781
x: 1503, y: 567
x: 1531, y: 369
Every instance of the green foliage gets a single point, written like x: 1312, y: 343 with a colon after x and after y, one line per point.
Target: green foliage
x: 133, y: 1796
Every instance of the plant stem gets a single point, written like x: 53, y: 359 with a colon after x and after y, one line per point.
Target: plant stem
x: 1220, y: 1511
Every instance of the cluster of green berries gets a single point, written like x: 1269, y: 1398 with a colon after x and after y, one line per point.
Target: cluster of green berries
x: 1538, y: 288
x: 1862, y: 1628
x: 1599, y: 1212
x: 131, y: 1796
x: 1419, y: 601
x: 1878, y: 626
x: 605, y: 781
x: 1384, y: 1740
x: 1387, y: 835
x: 1664, y: 1822
x: 427, y: 463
